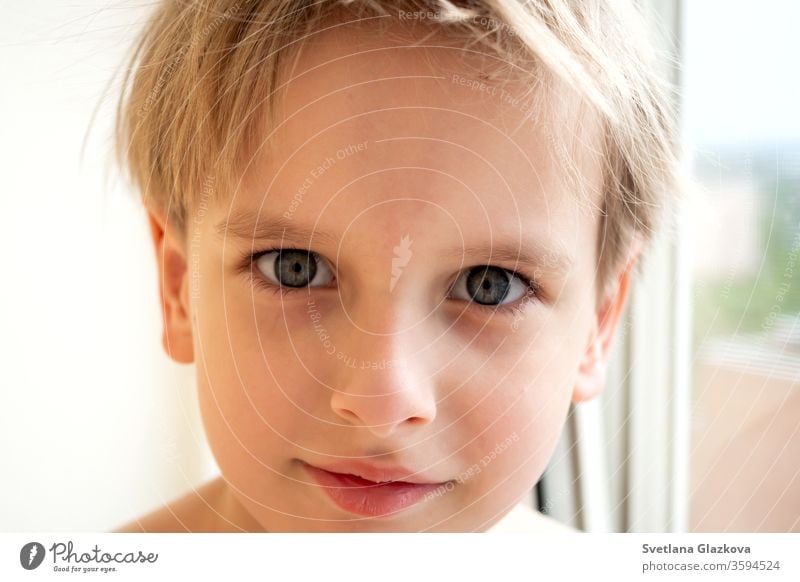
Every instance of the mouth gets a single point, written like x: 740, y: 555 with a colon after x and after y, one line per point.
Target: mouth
x: 386, y: 493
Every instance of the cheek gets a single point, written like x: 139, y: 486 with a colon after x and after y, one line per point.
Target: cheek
x: 517, y: 401
x: 253, y: 390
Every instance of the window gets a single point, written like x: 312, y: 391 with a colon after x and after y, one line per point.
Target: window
x: 744, y: 134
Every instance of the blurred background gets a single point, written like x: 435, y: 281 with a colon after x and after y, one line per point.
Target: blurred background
x: 699, y: 429
x: 97, y: 425
x: 743, y: 129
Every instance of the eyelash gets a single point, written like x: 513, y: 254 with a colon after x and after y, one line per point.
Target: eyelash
x: 248, y: 267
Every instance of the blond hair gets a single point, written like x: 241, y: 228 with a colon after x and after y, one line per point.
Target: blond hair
x: 187, y: 108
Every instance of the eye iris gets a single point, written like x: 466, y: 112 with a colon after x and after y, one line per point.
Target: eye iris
x: 488, y: 285
x: 295, y: 268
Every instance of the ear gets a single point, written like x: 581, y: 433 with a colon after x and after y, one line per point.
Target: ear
x: 173, y: 279
x: 592, y: 370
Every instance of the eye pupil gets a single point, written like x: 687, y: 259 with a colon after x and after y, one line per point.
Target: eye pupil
x: 488, y: 285
x: 295, y: 268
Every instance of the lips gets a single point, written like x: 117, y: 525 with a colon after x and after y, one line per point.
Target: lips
x: 378, y: 474
x: 373, y: 491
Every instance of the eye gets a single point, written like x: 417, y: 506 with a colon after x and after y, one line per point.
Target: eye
x: 294, y: 268
x: 490, y: 285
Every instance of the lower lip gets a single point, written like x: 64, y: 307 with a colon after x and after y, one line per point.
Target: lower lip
x: 368, y: 498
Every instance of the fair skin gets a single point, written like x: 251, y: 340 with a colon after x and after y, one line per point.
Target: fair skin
x: 380, y: 360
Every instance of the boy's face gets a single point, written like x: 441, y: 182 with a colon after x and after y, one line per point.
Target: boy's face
x: 393, y: 345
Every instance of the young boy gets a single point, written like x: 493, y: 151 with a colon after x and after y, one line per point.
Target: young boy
x: 396, y: 238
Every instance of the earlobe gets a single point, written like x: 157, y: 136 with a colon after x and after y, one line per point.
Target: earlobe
x: 591, y: 377
x: 591, y: 372
x: 173, y: 285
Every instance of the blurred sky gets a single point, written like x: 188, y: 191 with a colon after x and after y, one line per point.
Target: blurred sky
x: 741, y: 81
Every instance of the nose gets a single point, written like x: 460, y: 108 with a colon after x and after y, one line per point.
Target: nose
x: 380, y: 383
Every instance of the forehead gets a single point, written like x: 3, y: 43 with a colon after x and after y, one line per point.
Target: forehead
x: 374, y: 130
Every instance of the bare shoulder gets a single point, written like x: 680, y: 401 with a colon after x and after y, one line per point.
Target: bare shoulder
x: 523, y: 519
x: 196, y: 511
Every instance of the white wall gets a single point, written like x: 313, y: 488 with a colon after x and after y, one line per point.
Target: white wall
x: 97, y: 426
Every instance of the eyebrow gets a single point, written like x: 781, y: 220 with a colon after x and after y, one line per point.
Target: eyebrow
x: 243, y: 225
x: 537, y: 256
x: 532, y: 253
